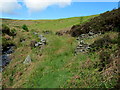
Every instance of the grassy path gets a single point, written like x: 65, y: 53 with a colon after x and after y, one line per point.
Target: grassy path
x: 59, y: 65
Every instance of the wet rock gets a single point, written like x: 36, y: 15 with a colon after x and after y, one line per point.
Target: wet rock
x: 5, y: 56
x: 5, y: 59
x: 10, y: 49
x: 27, y: 60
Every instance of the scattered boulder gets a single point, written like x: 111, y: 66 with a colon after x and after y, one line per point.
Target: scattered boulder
x: 27, y: 60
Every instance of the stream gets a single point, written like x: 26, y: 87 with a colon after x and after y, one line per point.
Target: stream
x: 5, y: 57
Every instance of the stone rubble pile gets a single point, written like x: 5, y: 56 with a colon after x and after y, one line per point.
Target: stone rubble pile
x: 89, y: 35
x: 42, y: 41
x: 82, y: 46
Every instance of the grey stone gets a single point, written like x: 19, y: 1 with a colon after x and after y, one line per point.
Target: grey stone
x: 43, y: 39
x: 40, y: 43
x: 81, y: 42
x: 27, y: 60
x: 91, y: 33
x: 35, y: 33
x: 80, y: 45
x: 36, y: 44
x: 40, y: 36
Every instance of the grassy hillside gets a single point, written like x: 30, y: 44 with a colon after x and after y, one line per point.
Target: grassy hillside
x: 108, y: 21
x: 52, y: 25
x: 55, y: 65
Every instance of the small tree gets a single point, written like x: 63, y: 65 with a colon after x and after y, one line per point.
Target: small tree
x: 25, y: 27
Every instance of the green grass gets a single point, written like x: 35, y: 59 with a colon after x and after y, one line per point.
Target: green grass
x: 52, y: 25
x: 55, y: 65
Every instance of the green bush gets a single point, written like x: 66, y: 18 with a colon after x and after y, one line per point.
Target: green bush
x: 25, y: 27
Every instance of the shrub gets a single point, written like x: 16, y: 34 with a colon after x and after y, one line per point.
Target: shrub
x: 108, y: 21
x: 100, y: 43
x: 104, y: 59
x: 25, y: 27
x: 5, y: 29
x: 6, y: 42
